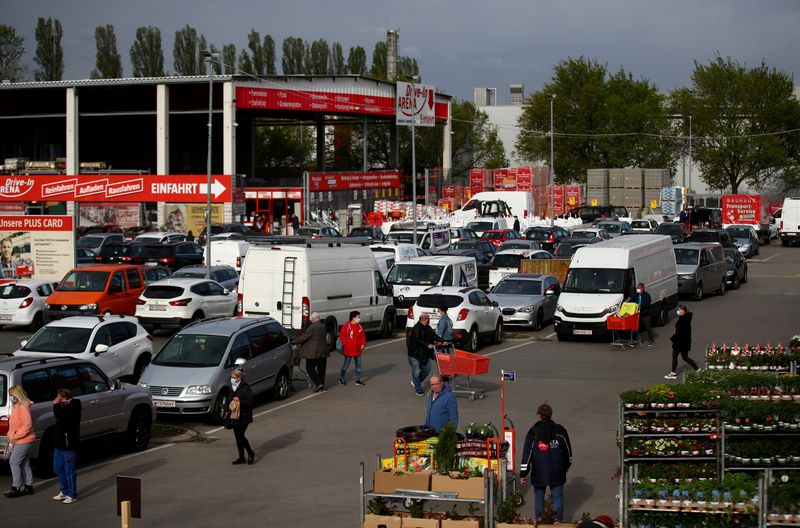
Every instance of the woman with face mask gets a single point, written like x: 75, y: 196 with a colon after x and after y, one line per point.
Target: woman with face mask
x: 21, y: 437
x: 354, y: 340
x: 681, y: 341
x: 240, y: 415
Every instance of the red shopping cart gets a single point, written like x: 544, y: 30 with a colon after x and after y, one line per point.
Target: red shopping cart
x: 624, y: 330
x: 454, y: 362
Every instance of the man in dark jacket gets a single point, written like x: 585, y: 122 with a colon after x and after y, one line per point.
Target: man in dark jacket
x: 548, y: 455
x: 314, y: 350
x: 442, y: 405
x: 67, y: 412
x: 644, y: 301
x: 420, y: 351
x: 681, y: 341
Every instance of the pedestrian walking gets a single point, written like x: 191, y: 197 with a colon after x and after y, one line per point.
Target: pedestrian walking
x: 240, y: 415
x: 681, y: 341
x: 314, y: 350
x: 190, y: 236
x: 354, y: 340
x: 644, y: 301
x: 547, y: 456
x: 516, y: 223
x: 442, y: 405
x: 67, y: 411
x: 295, y: 224
x: 21, y: 437
x: 420, y: 352
x: 444, y: 328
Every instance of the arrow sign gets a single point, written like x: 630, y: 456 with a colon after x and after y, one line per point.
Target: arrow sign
x: 217, y: 188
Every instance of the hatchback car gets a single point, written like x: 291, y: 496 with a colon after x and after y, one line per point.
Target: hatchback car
x: 483, y: 264
x: 224, y: 275
x: 318, y: 232
x: 745, y: 239
x: 373, y: 233
x: 117, y: 344
x: 548, y: 237
x: 462, y: 233
x: 173, y: 255
x: 191, y: 374
x: 484, y: 246
x: 720, y: 236
x: 160, y: 237
x: 644, y: 226
x: 520, y: 243
x: 120, y: 253
x: 176, y: 302
x: 614, y: 228
x: 527, y: 299
x: 589, y: 233
x: 22, y: 303
x: 95, y: 241
x: 474, y: 315
x: 498, y: 236
x: 736, y: 265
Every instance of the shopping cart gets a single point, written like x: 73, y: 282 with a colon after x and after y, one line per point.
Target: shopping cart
x: 624, y: 330
x: 454, y: 362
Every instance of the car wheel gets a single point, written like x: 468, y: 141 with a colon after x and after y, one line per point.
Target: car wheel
x: 538, y: 322
x: 387, y: 328
x: 497, y: 338
x: 721, y: 289
x: 735, y: 284
x: 197, y: 316
x: 218, y: 411
x: 330, y: 335
x: 698, y: 292
x: 38, y: 322
x: 138, y: 369
x: 472, y: 340
x: 139, y: 430
x: 281, y: 390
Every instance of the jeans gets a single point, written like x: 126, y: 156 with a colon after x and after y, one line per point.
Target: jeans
x: 346, y: 365
x: 64, y: 463
x: 419, y: 371
x: 557, y: 506
x: 685, y: 355
x: 20, y: 463
x: 242, y: 444
x: 316, y: 370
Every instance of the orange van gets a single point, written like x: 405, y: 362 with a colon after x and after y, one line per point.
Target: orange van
x: 96, y: 290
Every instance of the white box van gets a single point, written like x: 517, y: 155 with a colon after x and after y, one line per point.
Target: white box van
x: 601, y: 276
x: 331, y: 276
x: 409, y: 279
x: 228, y: 253
x: 436, y: 239
x: 790, y: 222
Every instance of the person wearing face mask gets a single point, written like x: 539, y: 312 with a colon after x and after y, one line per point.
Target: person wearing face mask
x: 21, y: 437
x: 241, y: 400
x: 354, y: 340
x: 681, y: 341
x: 644, y: 301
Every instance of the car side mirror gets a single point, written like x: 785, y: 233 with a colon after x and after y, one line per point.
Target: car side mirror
x: 240, y: 361
x: 99, y: 349
x: 226, y: 291
x: 495, y: 304
x: 117, y: 385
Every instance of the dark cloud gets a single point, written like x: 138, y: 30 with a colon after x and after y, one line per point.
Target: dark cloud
x: 460, y: 44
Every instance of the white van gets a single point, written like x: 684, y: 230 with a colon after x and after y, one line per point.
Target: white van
x: 479, y: 225
x: 601, y: 276
x: 436, y: 239
x: 507, y: 262
x: 228, y: 253
x: 520, y: 204
x: 329, y: 276
x: 789, y: 227
x: 385, y: 262
x: 399, y: 250
x: 409, y: 279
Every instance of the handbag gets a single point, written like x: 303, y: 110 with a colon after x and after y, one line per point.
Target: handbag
x: 340, y: 345
x: 6, y: 453
x: 235, y: 410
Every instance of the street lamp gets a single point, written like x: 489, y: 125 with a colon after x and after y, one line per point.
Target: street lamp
x: 209, y: 57
x: 552, y: 168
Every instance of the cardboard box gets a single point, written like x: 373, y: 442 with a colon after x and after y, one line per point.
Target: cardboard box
x: 469, y: 488
x: 464, y: 523
x: 382, y: 521
x: 409, y: 522
x: 389, y: 481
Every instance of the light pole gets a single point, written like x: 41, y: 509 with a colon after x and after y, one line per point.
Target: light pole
x: 209, y: 57
x: 552, y: 168
x: 690, y: 151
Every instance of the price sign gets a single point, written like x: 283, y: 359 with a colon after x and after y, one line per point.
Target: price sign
x: 508, y: 375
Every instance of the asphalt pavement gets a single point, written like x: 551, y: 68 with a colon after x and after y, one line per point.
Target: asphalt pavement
x: 309, y: 446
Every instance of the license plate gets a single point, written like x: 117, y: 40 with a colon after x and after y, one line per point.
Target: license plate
x: 506, y: 318
x: 151, y: 263
x: 581, y: 332
x: 164, y: 403
x: 157, y: 308
x: 6, y: 317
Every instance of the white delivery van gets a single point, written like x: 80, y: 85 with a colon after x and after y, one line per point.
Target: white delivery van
x: 436, y: 239
x: 399, y: 250
x: 601, y: 276
x: 228, y: 253
x: 508, y: 262
x: 409, y: 279
x: 789, y: 227
x: 329, y: 276
x: 385, y: 262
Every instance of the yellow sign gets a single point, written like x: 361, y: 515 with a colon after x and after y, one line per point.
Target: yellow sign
x: 653, y: 204
x: 190, y: 217
x: 571, y: 201
x: 594, y: 203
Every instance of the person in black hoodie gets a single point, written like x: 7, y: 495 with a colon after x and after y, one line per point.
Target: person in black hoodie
x: 681, y: 341
x: 420, y: 350
x: 67, y: 411
x: 547, y: 454
x: 241, y: 399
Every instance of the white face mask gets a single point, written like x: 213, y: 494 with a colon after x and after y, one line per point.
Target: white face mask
x: 680, y: 313
x: 638, y: 290
x: 234, y: 383
x: 12, y: 399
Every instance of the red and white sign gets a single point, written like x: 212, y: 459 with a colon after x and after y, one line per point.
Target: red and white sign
x: 114, y: 188
x: 35, y: 223
x: 524, y: 179
x: 505, y: 180
x: 415, y: 104
x: 477, y: 180
x: 345, y: 181
x: 743, y: 209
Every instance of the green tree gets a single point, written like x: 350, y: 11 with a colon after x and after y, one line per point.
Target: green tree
x: 357, y: 60
x: 318, y: 58
x: 407, y: 69
x: 108, y: 63
x: 280, y: 147
x: 589, y: 105
x: 739, y: 116
x: 202, y: 48
x: 245, y: 62
x: 229, y: 58
x: 262, y: 53
x: 294, y: 53
x: 268, y: 49
x: 147, y: 57
x: 337, y: 64
x: 49, y: 53
x: 11, y: 52
x: 378, y: 69
x: 184, y: 51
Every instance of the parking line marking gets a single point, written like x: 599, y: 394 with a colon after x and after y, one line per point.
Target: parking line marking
x: 551, y: 335
x: 262, y: 413
x: 509, y: 348
x: 385, y: 343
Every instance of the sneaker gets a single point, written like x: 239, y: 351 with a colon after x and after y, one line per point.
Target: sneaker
x: 651, y: 344
x: 238, y: 461
x: 671, y: 375
x: 69, y: 500
x: 342, y: 382
x: 27, y: 490
x: 59, y: 497
x: 251, y: 458
x: 419, y: 393
x: 360, y: 383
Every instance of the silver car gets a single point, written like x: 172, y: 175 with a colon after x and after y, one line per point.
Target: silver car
x: 745, y: 238
x: 191, y: 373
x: 701, y: 268
x: 527, y: 299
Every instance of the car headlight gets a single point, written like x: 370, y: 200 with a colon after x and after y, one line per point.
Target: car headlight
x: 745, y: 246
x: 90, y: 306
x: 46, y: 306
x: 198, y: 389
x: 526, y: 309
x: 143, y: 385
x: 612, y: 309
x: 559, y: 308
x: 729, y: 273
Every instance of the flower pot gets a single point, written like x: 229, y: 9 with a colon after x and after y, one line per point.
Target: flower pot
x: 781, y: 460
x: 375, y: 521
x: 746, y: 461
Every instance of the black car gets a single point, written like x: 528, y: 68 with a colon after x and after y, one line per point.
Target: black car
x: 737, y: 267
x: 590, y: 213
x: 677, y: 231
x: 373, y: 233
x: 483, y: 262
x: 548, y: 237
x: 483, y: 245
x: 720, y: 236
x: 120, y: 253
x: 173, y: 255
x: 84, y: 256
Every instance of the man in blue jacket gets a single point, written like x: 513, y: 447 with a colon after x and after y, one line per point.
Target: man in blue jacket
x: 644, y: 301
x: 442, y: 406
x: 548, y: 455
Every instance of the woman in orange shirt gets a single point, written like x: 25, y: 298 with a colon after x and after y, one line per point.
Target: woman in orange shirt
x: 21, y: 436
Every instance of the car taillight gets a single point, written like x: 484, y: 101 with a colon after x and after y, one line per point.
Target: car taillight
x: 239, y: 305
x: 492, y: 267
x: 180, y: 302
x: 149, y: 337
x: 410, y: 313
x: 462, y: 314
x: 98, y: 259
x: 781, y: 225
x: 126, y: 259
x: 306, y: 310
x: 238, y: 262
x: 168, y: 260
x: 140, y: 302
x: 4, y: 426
x: 27, y: 302
x: 552, y: 238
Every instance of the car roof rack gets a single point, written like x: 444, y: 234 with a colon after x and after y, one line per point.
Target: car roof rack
x: 278, y: 240
x: 42, y: 361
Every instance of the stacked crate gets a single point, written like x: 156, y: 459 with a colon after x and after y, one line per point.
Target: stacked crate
x: 597, y: 186
x: 671, y: 200
x: 654, y: 181
x: 633, y: 194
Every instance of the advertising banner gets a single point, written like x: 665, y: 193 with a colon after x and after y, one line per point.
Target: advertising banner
x: 415, y: 104
x: 345, y: 181
x: 36, y: 247
x: 504, y: 180
x: 121, y: 214
x: 572, y: 196
x: 524, y: 179
x: 477, y: 180
x: 742, y: 209
x: 183, y: 218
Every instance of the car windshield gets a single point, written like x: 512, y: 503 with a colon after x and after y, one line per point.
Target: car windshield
x: 59, y: 339
x: 611, y: 228
x: 13, y: 291
x: 361, y: 232
x: 669, y: 229
x: 414, y: 274
x: 565, y: 250
x: 492, y: 235
x: 3, y: 390
x: 90, y: 242
x: 583, y: 234
x: 405, y: 237
x: 480, y: 226
x: 641, y: 223
x: 437, y: 300
x: 162, y: 292
x: 518, y: 287
x: 595, y: 280
x: 686, y: 256
x: 508, y: 260
x: 739, y: 232
x: 704, y: 236
x: 307, y: 231
x: 155, y: 250
x: 538, y: 234
x: 94, y: 281
x: 194, y: 351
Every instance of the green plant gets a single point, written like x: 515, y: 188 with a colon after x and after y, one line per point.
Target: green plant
x: 378, y: 506
x: 417, y: 509
x: 454, y: 515
x: 445, y: 451
x: 507, y: 510
x: 633, y: 396
x: 585, y: 517
x: 472, y: 508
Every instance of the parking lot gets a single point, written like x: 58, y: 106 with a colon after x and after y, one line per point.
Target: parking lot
x: 310, y: 444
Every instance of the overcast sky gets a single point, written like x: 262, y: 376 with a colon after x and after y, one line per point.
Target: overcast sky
x: 459, y: 44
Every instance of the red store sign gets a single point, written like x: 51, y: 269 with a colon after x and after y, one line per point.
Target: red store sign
x: 345, y: 181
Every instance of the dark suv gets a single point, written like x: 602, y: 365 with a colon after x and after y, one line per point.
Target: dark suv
x: 374, y: 233
x: 119, y: 253
x: 720, y: 236
x: 590, y: 213
x: 173, y: 255
x: 548, y: 237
